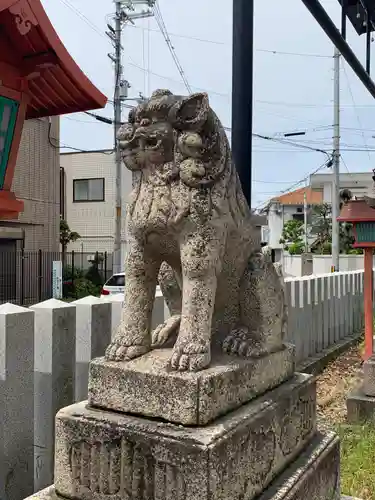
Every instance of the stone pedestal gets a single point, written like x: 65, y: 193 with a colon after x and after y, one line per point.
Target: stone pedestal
x: 361, y: 401
x: 145, y: 386
x: 256, y: 443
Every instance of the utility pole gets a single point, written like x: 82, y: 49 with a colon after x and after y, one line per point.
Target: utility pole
x: 335, y: 189
x: 242, y: 91
x: 125, y: 12
x: 117, y: 122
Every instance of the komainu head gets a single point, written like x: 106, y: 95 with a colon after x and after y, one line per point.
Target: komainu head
x: 171, y: 129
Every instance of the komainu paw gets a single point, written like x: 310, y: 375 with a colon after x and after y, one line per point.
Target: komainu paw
x: 240, y: 343
x: 120, y: 350
x: 164, y: 332
x: 190, y: 356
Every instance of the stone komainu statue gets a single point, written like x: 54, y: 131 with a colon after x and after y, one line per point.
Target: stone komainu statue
x: 189, y: 226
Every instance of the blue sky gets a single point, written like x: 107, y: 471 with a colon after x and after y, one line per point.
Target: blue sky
x: 293, y: 78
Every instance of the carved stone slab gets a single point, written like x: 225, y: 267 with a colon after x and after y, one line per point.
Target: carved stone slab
x: 106, y: 455
x: 145, y: 387
x: 315, y: 475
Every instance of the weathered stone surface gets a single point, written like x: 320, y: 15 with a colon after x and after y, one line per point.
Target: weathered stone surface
x: 46, y: 494
x: 315, y: 475
x: 101, y: 453
x: 360, y: 407
x: 188, y: 210
x: 145, y: 386
x: 369, y: 377
x: 50, y: 494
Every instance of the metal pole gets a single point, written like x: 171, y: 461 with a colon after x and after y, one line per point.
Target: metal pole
x: 305, y: 219
x: 335, y: 190
x: 242, y: 91
x: 368, y: 43
x: 117, y: 122
x: 368, y: 302
x: 334, y: 34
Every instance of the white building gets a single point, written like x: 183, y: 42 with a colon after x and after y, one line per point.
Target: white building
x: 287, y: 207
x: 358, y: 183
x: 88, y: 198
x: 291, y: 205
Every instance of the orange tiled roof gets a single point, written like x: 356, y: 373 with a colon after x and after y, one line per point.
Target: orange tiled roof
x: 296, y: 197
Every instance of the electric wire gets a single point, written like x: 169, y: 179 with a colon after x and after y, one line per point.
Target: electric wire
x: 356, y: 111
x: 159, y: 19
x: 295, y: 185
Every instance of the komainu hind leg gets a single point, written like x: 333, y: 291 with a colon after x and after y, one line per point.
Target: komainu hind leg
x: 263, y: 310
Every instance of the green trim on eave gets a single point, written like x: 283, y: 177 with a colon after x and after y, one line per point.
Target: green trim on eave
x: 7, y: 134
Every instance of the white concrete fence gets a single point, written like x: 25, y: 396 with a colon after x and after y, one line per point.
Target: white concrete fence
x: 321, y: 264
x: 45, y: 352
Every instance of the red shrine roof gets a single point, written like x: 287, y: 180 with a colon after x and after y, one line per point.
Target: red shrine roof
x: 31, y: 49
x: 357, y: 211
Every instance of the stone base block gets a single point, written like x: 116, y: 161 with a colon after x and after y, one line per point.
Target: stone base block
x: 369, y: 377
x: 360, y: 407
x: 146, y: 387
x: 315, y: 475
x: 101, y: 454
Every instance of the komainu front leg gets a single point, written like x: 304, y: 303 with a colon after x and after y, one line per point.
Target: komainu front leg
x: 133, y: 337
x: 201, y: 262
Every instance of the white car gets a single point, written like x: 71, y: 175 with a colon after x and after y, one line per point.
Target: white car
x: 115, y: 285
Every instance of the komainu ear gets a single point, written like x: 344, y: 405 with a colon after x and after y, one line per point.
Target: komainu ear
x: 190, y: 113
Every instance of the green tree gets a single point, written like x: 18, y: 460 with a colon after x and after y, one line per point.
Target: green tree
x: 292, y: 237
x: 66, y: 236
x: 321, y: 227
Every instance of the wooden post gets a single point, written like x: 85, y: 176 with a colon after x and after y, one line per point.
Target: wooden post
x: 368, y: 301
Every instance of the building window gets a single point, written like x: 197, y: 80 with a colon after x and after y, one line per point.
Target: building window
x: 88, y: 190
x: 8, y: 117
x: 300, y: 217
x: 299, y: 210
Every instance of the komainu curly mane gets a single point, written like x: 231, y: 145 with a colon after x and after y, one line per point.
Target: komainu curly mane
x: 190, y: 227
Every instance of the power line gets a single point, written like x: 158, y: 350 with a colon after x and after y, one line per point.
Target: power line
x: 84, y: 18
x: 345, y: 165
x: 271, y: 182
x: 219, y: 42
x: 299, y: 54
x: 359, y: 121
x: 295, y: 185
x: 159, y: 19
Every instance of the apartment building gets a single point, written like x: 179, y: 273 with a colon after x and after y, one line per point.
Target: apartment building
x: 88, y: 199
x: 36, y: 181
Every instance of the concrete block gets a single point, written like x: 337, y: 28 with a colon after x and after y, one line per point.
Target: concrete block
x: 360, y: 407
x: 16, y: 402
x: 369, y: 376
x: 103, y: 453
x: 93, y: 335
x: 117, y: 302
x: 54, y: 378
x: 145, y: 386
